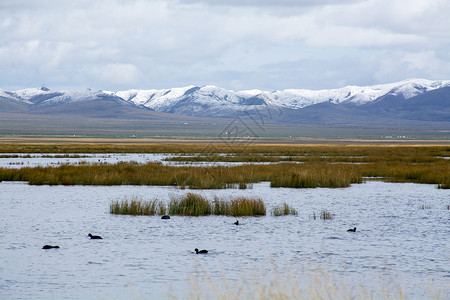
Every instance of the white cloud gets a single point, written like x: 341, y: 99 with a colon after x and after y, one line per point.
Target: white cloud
x: 116, y: 73
x: 166, y: 43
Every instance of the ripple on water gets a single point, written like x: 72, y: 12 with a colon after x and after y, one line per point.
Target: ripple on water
x: 147, y: 253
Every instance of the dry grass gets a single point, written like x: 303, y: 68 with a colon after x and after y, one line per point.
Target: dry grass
x: 284, y: 283
x: 192, y: 205
x: 283, y: 210
x: 323, y: 166
x: 136, y: 206
x: 208, y: 147
x: 307, y: 175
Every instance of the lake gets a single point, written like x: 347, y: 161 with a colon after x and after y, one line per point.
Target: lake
x: 401, y: 242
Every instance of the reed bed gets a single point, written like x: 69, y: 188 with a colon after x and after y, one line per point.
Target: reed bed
x: 136, y: 206
x: 306, y: 158
x: 294, y: 175
x: 312, y: 176
x: 243, y: 206
x: 322, y: 165
x: 192, y: 205
x: 211, y: 147
x: 283, y: 210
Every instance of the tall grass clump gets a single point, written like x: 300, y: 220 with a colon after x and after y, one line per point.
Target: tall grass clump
x: 221, y: 207
x: 238, y: 207
x: 136, y: 206
x: 283, y: 210
x: 190, y: 205
x: 318, y: 175
x: 243, y: 206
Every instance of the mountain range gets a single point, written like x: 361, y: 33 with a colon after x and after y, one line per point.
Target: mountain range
x: 410, y: 102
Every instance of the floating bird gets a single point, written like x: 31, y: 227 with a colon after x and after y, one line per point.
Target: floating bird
x: 165, y: 217
x: 236, y: 223
x: 352, y: 230
x: 50, y: 247
x: 201, y: 251
x: 94, y: 237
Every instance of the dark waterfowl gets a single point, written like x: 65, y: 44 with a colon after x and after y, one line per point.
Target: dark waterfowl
x: 50, y: 247
x: 352, y: 230
x: 236, y: 223
x: 200, y: 251
x: 165, y: 217
x: 94, y: 237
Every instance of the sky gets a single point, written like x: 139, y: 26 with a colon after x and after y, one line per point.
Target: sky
x: 235, y: 44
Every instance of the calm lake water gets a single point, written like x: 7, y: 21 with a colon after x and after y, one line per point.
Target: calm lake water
x: 9, y: 160
x: 17, y: 161
x: 402, y: 240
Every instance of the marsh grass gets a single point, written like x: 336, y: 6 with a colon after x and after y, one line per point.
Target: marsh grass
x: 306, y: 158
x: 259, y: 150
x: 283, y: 210
x: 243, y: 206
x: 318, y: 175
x: 137, y: 206
x: 323, y: 166
x: 190, y: 205
x: 326, y: 215
x: 238, y: 207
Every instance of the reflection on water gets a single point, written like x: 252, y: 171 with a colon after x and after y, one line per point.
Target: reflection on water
x: 146, y: 257
x: 17, y: 161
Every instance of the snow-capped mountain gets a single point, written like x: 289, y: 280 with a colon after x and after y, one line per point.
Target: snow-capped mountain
x: 212, y: 101
x: 202, y: 99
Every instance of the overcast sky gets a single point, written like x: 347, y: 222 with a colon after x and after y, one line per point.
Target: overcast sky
x: 235, y: 44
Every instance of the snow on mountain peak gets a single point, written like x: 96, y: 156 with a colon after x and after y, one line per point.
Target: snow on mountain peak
x: 208, y: 98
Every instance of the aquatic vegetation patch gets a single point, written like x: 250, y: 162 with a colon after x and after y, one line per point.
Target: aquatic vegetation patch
x: 190, y: 205
x: 137, y: 206
x: 332, y: 166
x: 283, y: 210
x: 326, y: 215
x: 318, y: 175
x: 243, y: 206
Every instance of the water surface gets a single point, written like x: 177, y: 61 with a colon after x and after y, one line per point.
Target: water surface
x: 146, y: 257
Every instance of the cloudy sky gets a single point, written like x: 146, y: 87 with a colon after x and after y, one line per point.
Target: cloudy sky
x: 235, y: 44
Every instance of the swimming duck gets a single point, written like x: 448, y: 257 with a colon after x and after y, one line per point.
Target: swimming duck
x: 352, y: 230
x: 236, y: 223
x: 50, y: 247
x: 94, y: 237
x: 200, y: 251
x: 165, y: 217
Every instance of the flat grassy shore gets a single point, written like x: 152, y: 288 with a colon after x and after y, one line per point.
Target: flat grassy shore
x: 292, y: 165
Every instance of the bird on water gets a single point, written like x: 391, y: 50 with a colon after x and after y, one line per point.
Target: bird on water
x: 237, y: 222
x: 50, y: 247
x: 94, y: 237
x: 352, y: 230
x: 200, y: 251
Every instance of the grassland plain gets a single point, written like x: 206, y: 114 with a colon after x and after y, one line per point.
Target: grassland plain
x: 321, y: 165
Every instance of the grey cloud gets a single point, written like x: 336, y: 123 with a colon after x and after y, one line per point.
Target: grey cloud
x: 118, y: 44
x: 270, y: 3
